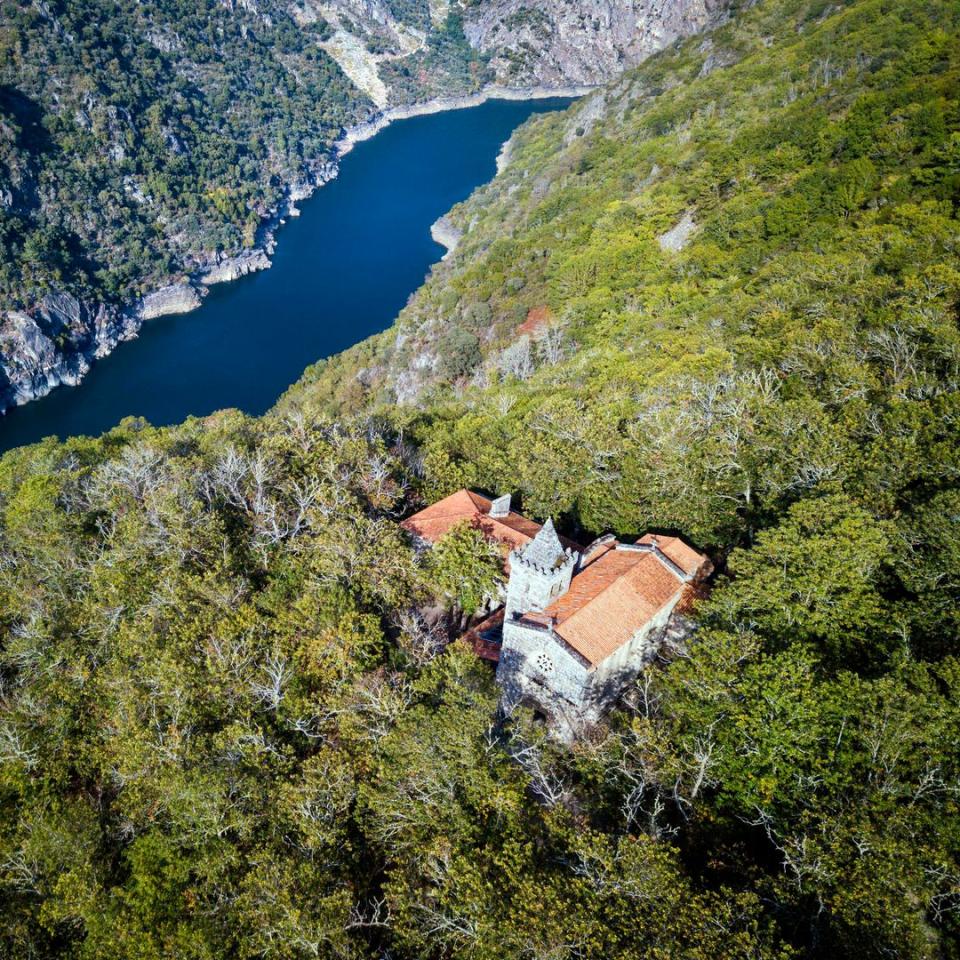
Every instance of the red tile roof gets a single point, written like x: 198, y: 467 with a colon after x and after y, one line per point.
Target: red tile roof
x: 486, y: 637
x: 609, y: 600
x: 682, y: 554
x: 513, y: 530
x: 439, y: 518
x: 617, y: 592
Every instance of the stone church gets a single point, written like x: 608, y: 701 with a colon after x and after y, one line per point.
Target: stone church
x: 576, y: 623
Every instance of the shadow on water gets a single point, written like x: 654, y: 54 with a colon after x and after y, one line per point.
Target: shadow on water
x: 342, y: 271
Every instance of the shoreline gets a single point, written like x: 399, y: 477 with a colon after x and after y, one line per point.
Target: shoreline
x: 443, y: 232
x: 258, y: 257
x: 185, y: 292
x: 370, y: 128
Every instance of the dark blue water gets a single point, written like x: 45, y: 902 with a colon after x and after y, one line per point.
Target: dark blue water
x: 342, y: 271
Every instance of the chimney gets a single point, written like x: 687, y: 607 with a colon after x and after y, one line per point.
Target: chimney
x: 501, y: 506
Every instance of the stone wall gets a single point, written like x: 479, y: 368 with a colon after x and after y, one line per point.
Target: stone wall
x: 557, y: 689
x: 611, y: 676
x: 535, y: 588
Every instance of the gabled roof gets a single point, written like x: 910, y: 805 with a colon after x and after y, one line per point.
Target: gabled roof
x: 682, y: 554
x: 440, y: 518
x: 619, y: 591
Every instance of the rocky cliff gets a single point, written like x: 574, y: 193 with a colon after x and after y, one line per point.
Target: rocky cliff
x: 56, y: 343
x: 394, y: 57
x: 579, y: 41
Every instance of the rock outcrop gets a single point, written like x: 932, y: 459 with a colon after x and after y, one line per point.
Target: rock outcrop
x: 174, y: 298
x: 55, y: 344
x: 232, y: 268
x: 675, y: 239
x: 446, y: 234
x: 546, y: 42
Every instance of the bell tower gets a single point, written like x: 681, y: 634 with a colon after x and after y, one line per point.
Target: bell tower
x: 539, y: 573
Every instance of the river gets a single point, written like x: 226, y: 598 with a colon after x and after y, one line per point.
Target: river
x: 341, y: 272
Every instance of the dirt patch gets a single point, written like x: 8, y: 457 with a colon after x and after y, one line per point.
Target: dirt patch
x: 538, y: 319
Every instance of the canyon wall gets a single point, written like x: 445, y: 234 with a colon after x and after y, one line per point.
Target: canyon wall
x: 428, y: 56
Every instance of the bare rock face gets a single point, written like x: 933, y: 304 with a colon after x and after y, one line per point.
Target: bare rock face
x: 32, y: 365
x: 231, y: 268
x: 174, y: 298
x: 55, y: 344
x: 554, y: 42
x: 676, y: 237
x: 446, y: 234
x: 531, y: 43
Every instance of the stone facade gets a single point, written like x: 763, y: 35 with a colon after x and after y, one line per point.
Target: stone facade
x: 539, y: 670
x: 536, y: 667
x: 570, y: 680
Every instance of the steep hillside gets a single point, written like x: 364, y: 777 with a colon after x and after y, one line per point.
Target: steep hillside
x: 744, y: 247
x: 147, y: 149
x: 546, y: 42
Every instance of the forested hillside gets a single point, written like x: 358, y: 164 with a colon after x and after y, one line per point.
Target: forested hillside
x: 719, y: 297
x: 138, y: 137
x: 149, y: 149
x: 705, y: 291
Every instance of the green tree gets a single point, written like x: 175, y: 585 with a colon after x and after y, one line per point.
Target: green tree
x: 465, y: 568
x: 817, y: 578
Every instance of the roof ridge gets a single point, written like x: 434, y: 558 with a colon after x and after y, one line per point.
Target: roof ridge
x: 670, y: 564
x: 476, y: 498
x: 620, y: 576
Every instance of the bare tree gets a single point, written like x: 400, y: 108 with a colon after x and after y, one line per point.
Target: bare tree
x: 547, y: 784
x: 551, y: 346
x: 270, y: 688
x: 420, y: 640
x: 517, y: 360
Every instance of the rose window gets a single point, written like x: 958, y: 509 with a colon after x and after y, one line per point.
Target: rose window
x: 544, y: 663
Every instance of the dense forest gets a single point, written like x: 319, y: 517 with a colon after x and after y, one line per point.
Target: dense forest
x: 182, y: 125
x: 719, y: 297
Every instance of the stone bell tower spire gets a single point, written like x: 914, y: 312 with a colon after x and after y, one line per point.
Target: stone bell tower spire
x: 540, y: 572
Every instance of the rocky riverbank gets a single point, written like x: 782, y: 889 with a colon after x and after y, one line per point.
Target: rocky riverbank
x: 57, y: 342
x: 446, y: 234
x: 370, y: 128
